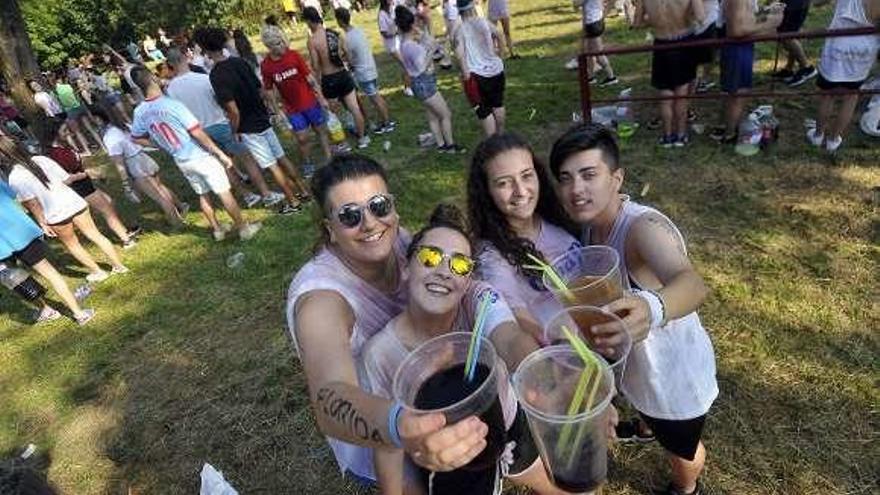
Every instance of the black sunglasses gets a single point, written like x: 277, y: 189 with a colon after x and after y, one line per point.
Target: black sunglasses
x: 352, y: 214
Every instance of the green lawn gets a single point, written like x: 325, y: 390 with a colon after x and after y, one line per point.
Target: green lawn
x: 188, y: 362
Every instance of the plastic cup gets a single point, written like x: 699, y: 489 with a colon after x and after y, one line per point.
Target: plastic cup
x: 592, y: 275
x: 573, y: 447
x: 431, y: 380
x: 582, y: 319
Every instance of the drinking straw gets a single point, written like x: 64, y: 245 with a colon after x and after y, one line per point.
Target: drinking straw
x: 554, y: 277
x: 476, y: 337
x: 591, y: 364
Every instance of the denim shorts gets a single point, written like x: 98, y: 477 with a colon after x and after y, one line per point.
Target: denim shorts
x: 424, y: 85
x: 222, y: 135
x: 264, y: 146
x: 301, y: 121
x: 369, y: 88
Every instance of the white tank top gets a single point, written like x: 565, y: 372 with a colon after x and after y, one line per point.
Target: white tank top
x: 849, y: 58
x: 671, y: 374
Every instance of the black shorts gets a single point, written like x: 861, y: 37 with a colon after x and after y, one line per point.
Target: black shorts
x: 491, y: 91
x: 672, y: 68
x: 825, y: 84
x: 793, y: 19
x: 31, y: 254
x: 678, y: 437
x: 594, y: 29
x: 483, y: 482
x: 337, y: 85
x: 83, y: 187
x: 705, y: 54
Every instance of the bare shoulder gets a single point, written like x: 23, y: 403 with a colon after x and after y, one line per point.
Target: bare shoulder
x: 321, y: 310
x: 652, y: 232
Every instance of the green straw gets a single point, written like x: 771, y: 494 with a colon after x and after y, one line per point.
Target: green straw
x: 551, y: 274
x: 591, y: 364
x: 476, y: 333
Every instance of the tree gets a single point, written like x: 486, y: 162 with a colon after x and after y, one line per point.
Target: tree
x: 17, y: 60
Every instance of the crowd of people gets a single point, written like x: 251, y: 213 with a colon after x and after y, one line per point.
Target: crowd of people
x: 373, y: 292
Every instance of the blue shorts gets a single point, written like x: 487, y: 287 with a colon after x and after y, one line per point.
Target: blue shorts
x: 222, y: 135
x: 301, y: 121
x: 369, y: 88
x: 264, y: 146
x: 424, y: 85
x: 736, y: 66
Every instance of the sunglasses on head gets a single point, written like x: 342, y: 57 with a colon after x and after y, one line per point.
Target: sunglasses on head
x: 352, y: 214
x: 432, y: 256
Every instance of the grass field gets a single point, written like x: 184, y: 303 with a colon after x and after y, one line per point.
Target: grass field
x: 188, y: 362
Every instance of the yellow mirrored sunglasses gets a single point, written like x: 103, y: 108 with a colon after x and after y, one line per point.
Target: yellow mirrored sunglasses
x: 432, y: 256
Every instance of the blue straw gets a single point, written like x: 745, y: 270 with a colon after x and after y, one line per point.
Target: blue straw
x: 479, y: 325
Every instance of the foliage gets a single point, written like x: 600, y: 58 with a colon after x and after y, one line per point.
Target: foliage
x: 64, y: 29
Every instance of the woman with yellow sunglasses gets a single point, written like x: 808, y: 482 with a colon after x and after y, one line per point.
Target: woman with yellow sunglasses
x: 443, y: 298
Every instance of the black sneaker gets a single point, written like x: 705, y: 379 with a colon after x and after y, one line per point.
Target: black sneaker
x: 801, y: 77
x: 654, y: 124
x: 719, y: 135
x: 629, y: 432
x: 609, y: 81
x: 453, y: 149
x: 666, y: 141
x: 672, y: 490
x: 681, y: 141
x: 782, y: 74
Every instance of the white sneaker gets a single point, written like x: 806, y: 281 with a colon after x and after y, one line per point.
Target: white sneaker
x: 85, y: 317
x: 47, y: 314
x: 119, y: 270
x: 273, y: 198
x: 249, y: 231
x: 814, y: 138
x: 220, y: 234
x: 98, y: 276
x: 363, y: 142
x: 130, y: 244
x: 408, y: 91
x: 572, y: 64
x: 251, y: 199
x: 831, y: 144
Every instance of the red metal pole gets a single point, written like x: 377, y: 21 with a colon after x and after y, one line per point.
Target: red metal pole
x: 584, y: 80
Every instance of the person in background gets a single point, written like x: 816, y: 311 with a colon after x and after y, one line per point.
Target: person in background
x: 845, y: 63
x: 285, y: 71
x: 391, y: 38
x: 21, y: 240
x: 152, y: 50
x: 135, y: 166
x: 793, y: 18
x: 11, y: 118
x: 418, y: 65
x: 670, y: 371
x: 239, y: 92
x: 499, y: 11
x: 363, y: 65
x: 41, y: 185
x: 327, y: 54
x: 245, y: 50
x: 593, y: 22
x: 108, y: 97
x: 476, y: 45
x: 196, y: 92
x: 77, y: 115
x: 83, y: 185
x: 168, y: 124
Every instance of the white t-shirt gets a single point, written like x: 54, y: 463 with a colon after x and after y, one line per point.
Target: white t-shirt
x: 48, y: 103
x: 387, y: 27
x: 593, y: 11
x: 475, y: 36
x: 362, y: 62
x: 195, y: 91
x: 118, y: 142
x: 58, y: 201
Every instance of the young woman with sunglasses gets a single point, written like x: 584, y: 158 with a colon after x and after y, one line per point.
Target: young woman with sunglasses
x: 515, y: 214
x: 443, y: 298
x: 353, y: 286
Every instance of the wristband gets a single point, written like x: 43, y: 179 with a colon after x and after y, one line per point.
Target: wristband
x: 655, y: 303
x: 393, y: 431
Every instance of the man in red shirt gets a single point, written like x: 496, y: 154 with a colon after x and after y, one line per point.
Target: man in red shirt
x: 286, y: 71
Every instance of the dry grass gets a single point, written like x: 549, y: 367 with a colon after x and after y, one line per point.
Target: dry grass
x: 188, y: 362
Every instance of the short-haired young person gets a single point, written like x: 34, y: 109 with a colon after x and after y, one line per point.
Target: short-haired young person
x: 327, y: 53
x: 195, y: 91
x: 670, y: 372
x: 363, y: 65
x: 239, y: 91
x: 285, y: 71
x: 476, y: 45
x: 171, y: 126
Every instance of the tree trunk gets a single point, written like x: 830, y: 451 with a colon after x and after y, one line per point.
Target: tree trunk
x: 17, y: 60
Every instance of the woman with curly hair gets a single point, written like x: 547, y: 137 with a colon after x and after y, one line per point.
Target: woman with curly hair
x: 515, y: 215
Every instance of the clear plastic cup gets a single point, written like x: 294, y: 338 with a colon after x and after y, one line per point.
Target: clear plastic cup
x: 573, y: 447
x: 592, y: 275
x: 581, y: 319
x: 431, y: 380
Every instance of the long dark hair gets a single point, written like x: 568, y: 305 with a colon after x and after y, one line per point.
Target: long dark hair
x: 385, y: 5
x: 12, y: 153
x: 489, y: 223
x: 404, y: 19
x: 339, y: 169
x: 244, y: 48
x: 444, y: 216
